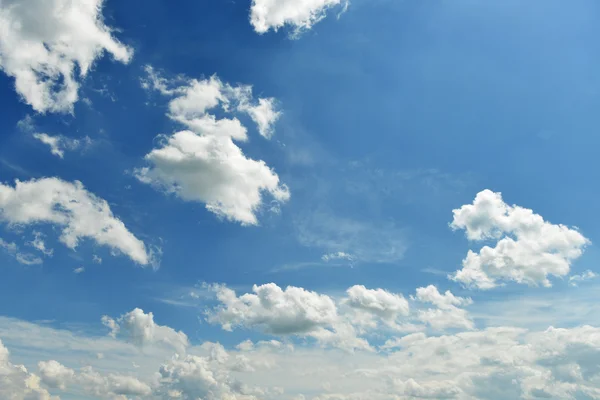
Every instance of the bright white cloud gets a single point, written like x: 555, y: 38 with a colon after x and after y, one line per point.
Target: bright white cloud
x: 111, y: 386
x: 48, y: 46
x: 377, y: 301
x: 289, y: 311
x: 447, y: 313
x: 264, y: 114
x: 140, y: 329
x: 204, y: 163
x: 528, y: 249
x: 490, y: 364
x: 16, y: 383
x: 59, y: 144
x: 300, y: 15
x: 71, y: 206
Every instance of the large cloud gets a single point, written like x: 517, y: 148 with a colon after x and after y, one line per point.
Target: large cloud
x: 48, y: 45
x: 80, y: 213
x: 528, y: 249
x: 493, y: 363
x: 204, y: 163
x: 299, y: 14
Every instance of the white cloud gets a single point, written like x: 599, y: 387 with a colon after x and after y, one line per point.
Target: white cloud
x: 204, y: 163
x: 39, y: 244
x: 79, y: 270
x: 71, y: 206
x: 140, y: 329
x: 59, y: 144
x: 293, y: 311
x: 16, y: 383
x: 113, y: 386
x: 340, y: 255
x: 447, y: 313
x: 299, y: 14
x: 586, y: 276
x: 22, y: 258
x: 264, y: 114
x: 377, y: 301
x: 48, y: 46
x: 528, y: 249
x: 490, y: 364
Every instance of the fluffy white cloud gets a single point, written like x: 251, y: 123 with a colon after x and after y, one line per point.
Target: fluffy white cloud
x: 299, y: 14
x: 204, y: 163
x: 71, y: 206
x: 16, y: 383
x: 49, y: 45
x: 59, y: 144
x: 293, y: 311
x: 447, y: 313
x: 377, y: 301
x: 528, y: 249
x: 111, y: 386
x: 264, y: 114
x: 493, y: 363
x: 140, y: 329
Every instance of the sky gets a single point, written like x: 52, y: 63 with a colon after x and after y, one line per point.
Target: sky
x: 299, y: 200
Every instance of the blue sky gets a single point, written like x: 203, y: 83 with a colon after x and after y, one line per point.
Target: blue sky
x: 382, y: 118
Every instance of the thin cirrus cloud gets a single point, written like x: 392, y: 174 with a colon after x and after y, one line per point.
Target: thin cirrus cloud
x: 528, y: 249
x: 48, y: 46
x: 81, y: 214
x: 204, y: 162
x: 299, y: 15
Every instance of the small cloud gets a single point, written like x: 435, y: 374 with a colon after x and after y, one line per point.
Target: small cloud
x: 96, y: 259
x: 79, y: 270
x: 586, y: 276
x: 340, y: 255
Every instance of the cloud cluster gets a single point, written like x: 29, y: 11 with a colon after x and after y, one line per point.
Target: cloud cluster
x: 493, y: 363
x: 528, y: 249
x: 300, y: 15
x: 47, y: 46
x: 80, y: 213
x: 204, y: 163
x: 16, y: 383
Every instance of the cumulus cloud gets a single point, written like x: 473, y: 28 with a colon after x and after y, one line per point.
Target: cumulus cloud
x: 48, y: 46
x: 528, y: 250
x: 489, y: 364
x: 16, y: 383
x: 69, y: 205
x: 289, y: 311
x: 300, y: 15
x: 140, y: 329
x: 377, y: 301
x: 113, y: 386
x: 204, y: 163
x: 447, y: 313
